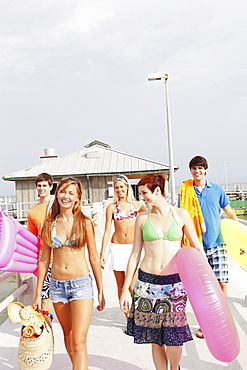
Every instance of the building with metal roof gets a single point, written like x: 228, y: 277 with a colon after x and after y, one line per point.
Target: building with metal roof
x: 95, y: 166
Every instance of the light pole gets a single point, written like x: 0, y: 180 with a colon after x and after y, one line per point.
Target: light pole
x: 155, y: 77
x: 225, y: 177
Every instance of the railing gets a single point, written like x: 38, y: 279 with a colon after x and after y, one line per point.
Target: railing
x: 6, y: 275
x: 96, y: 211
x: 22, y: 210
x: 10, y: 207
x: 15, y: 294
x: 242, y: 221
x: 26, y: 286
x: 17, y: 210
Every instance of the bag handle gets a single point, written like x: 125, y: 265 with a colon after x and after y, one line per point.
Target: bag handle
x: 47, y: 322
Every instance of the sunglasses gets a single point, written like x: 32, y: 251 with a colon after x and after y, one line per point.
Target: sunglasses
x: 121, y: 178
x: 70, y: 178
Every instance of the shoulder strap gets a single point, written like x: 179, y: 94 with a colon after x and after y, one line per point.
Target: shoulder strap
x: 50, y: 204
x: 171, y: 211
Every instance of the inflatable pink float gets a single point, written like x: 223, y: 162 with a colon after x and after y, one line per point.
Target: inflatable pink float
x: 18, y: 246
x: 209, y: 304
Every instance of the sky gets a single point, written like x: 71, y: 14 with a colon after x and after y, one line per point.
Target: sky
x: 76, y: 71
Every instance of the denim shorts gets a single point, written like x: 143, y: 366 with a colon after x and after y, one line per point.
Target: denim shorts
x: 69, y: 290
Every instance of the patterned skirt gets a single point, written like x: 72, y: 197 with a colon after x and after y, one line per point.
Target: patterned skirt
x: 157, y: 313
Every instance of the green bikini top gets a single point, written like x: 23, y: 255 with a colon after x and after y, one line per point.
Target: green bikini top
x: 174, y: 233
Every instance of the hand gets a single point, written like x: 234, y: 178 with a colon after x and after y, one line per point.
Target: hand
x: 102, y: 261
x: 101, y: 299
x: 37, y: 303
x: 125, y: 301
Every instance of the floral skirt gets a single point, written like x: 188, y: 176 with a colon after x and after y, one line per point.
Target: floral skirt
x: 157, y: 313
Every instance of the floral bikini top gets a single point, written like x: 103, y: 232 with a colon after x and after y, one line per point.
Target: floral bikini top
x: 118, y: 214
x: 56, y: 242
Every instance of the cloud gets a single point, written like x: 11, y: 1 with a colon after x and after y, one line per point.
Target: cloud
x: 70, y: 69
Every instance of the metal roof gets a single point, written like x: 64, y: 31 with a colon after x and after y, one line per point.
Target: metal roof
x: 93, y: 160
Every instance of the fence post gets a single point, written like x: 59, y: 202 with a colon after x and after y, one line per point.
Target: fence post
x: 27, y: 297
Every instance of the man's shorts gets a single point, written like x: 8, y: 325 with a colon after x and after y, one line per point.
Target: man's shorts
x: 217, y: 258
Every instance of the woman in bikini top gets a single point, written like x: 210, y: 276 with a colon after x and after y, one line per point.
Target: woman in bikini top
x: 56, y: 242
x: 174, y: 232
x: 67, y: 233
x: 122, y: 212
x: 162, y: 235
x: 119, y: 216
x: 160, y: 231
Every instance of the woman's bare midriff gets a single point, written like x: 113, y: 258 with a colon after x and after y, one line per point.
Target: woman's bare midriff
x: 66, y: 266
x: 160, y: 257
x: 124, y: 232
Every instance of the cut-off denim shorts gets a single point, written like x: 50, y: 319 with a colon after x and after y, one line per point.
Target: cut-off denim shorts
x: 69, y: 290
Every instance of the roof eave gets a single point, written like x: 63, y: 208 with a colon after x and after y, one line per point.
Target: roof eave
x: 138, y: 172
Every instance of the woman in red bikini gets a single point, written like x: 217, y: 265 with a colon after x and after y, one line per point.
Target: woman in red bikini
x: 123, y: 212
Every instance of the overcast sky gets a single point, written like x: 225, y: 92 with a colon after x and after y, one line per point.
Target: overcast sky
x: 75, y: 71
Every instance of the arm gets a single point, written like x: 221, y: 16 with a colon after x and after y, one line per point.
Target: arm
x: 42, y: 271
x: 31, y: 225
x: 132, y: 265
x: 230, y: 213
x: 95, y: 263
x: 189, y: 230
x: 140, y: 207
x: 107, y: 233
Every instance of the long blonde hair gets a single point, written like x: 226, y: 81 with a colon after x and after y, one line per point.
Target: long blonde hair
x: 78, y: 230
x: 125, y: 181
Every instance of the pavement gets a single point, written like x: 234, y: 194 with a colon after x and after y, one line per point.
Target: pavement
x: 110, y: 349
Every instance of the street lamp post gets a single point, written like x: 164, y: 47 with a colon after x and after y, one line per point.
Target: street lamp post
x: 155, y: 77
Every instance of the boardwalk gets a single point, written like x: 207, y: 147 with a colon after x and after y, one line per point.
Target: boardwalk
x: 110, y: 349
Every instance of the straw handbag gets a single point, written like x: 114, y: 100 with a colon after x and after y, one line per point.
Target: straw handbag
x: 35, y: 351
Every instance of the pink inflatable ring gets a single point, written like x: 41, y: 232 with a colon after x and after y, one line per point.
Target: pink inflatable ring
x: 209, y: 304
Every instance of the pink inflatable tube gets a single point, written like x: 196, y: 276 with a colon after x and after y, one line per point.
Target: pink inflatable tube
x: 209, y: 304
x: 18, y: 246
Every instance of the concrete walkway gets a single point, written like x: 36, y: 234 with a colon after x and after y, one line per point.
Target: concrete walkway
x: 110, y: 349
